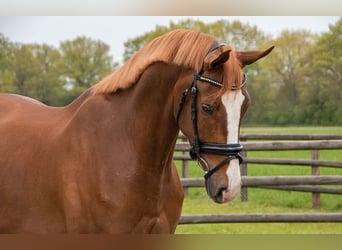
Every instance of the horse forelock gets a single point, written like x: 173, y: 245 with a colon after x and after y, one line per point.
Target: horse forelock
x: 233, y: 74
x: 185, y: 48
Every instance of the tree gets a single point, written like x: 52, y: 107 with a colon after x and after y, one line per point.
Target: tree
x: 47, y: 86
x: 32, y: 72
x: 25, y: 69
x: 6, y: 64
x: 241, y: 35
x: 286, y: 71
x: 53, y: 76
x: 324, y: 81
x: 83, y: 63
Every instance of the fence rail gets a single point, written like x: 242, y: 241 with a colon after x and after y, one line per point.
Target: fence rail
x: 255, y: 218
x: 294, y: 145
x: 275, y: 146
x: 302, y: 137
x: 294, y: 162
x: 291, y: 137
x: 276, y: 161
x: 273, y: 180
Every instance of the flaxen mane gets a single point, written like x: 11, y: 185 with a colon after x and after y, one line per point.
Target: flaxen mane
x: 181, y: 47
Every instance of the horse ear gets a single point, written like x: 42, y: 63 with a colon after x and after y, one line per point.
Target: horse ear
x: 249, y: 57
x: 217, y: 57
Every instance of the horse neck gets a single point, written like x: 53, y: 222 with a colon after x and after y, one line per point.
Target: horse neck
x: 152, y: 100
x: 139, y: 119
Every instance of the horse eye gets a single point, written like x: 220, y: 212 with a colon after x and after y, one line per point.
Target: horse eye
x: 207, y: 108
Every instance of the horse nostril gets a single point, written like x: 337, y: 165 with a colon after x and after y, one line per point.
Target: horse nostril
x: 223, y: 189
x: 219, y: 195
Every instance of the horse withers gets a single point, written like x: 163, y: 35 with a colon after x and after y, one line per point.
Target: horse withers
x: 104, y: 163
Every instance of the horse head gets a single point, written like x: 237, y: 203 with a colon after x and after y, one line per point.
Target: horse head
x: 210, y: 113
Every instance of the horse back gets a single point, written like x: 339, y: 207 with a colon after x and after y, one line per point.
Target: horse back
x: 24, y: 121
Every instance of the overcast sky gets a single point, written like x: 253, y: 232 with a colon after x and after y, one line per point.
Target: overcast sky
x: 115, y: 30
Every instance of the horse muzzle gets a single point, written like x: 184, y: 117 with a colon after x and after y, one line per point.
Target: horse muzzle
x: 223, y: 188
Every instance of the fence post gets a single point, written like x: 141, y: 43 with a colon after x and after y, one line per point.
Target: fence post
x: 185, y: 168
x: 243, y: 171
x: 315, y: 171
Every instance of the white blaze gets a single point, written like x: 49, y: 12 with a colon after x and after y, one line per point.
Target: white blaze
x: 233, y: 101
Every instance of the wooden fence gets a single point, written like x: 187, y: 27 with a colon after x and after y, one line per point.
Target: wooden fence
x: 279, y: 142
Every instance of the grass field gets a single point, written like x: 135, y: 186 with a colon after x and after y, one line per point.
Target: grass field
x: 269, y: 201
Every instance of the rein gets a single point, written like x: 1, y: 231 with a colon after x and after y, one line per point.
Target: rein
x: 232, y: 150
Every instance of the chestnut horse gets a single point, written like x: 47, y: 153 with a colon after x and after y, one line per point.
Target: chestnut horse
x: 103, y: 164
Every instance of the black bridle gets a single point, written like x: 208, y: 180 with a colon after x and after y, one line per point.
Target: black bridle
x: 232, y: 151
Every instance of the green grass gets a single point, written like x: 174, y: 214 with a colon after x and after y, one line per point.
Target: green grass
x: 269, y: 201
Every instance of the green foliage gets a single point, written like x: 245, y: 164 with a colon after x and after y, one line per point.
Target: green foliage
x: 325, y: 76
x: 6, y: 63
x: 53, y: 76
x: 83, y: 63
x: 285, y: 76
x: 36, y: 72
